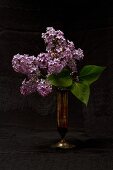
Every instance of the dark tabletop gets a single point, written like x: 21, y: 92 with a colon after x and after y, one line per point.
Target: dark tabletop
x: 30, y: 149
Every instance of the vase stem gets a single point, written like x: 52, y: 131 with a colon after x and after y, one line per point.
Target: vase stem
x: 62, y: 112
x: 62, y: 119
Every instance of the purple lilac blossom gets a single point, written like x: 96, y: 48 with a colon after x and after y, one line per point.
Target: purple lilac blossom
x: 60, y: 54
x: 79, y: 54
x: 42, y: 60
x: 24, y: 64
x: 53, y: 39
x: 51, y: 35
x: 28, y: 87
x: 55, y: 66
x: 44, y: 88
x: 67, y: 54
x: 58, y: 47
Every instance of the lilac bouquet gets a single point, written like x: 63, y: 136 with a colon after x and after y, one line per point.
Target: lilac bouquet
x: 57, y: 67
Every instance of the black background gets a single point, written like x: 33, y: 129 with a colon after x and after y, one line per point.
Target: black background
x: 90, y: 26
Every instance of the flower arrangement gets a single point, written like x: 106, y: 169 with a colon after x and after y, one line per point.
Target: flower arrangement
x: 57, y: 67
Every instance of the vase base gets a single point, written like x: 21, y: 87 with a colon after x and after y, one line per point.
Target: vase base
x: 63, y: 144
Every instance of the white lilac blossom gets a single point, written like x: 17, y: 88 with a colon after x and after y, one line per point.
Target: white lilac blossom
x: 60, y: 54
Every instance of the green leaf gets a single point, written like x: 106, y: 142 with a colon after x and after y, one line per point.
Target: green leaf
x: 90, y: 73
x: 63, y: 79
x: 81, y: 90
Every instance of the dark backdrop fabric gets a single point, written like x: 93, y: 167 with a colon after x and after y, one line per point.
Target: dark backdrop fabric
x: 22, y: 23
x: 29, y: 121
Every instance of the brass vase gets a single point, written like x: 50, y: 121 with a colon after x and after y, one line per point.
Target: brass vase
x: 62, y: 118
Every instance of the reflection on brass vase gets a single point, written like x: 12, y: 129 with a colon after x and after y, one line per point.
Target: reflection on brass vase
x: 62, y: 118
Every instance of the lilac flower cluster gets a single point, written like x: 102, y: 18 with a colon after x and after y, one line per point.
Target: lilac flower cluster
x: 60, y: 54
